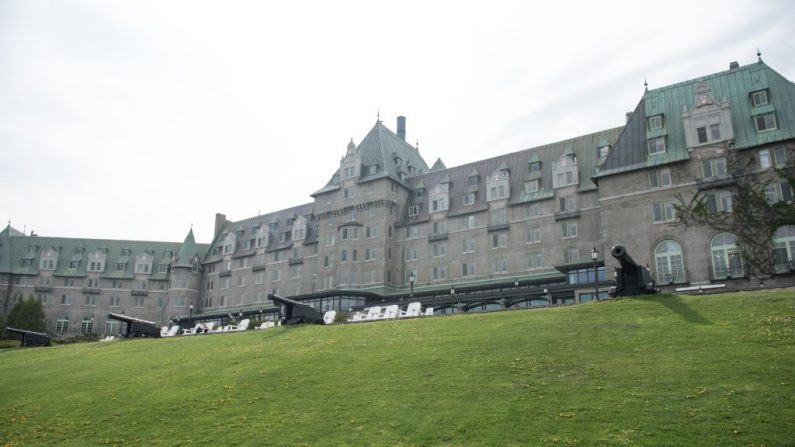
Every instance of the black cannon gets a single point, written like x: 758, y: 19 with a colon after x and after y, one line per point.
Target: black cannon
x: 293, y: 312
x: 631, y: 278
x: 30, y: 338
x: 137, y: 327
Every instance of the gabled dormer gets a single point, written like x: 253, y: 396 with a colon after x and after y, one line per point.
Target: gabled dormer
x: 708, y: 121
x: 351, y: 163
x: 565, y: 170
x: 143, y: 264
x: 49, y: 260
x: 439, y: 197
x: 498, y: 184
x: 300, y: 225
x: 96, y: 261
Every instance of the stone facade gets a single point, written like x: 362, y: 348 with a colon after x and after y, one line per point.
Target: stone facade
x: 517, y: 230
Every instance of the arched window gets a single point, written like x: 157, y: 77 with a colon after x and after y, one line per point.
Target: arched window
x: 726, y: 259
x: 669, y: 263
x: 784, y: 249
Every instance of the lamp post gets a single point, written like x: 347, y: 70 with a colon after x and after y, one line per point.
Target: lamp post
x: 594, y: 257
x: 412, y: 278
x: 190, y: 314
x: 91, y: 329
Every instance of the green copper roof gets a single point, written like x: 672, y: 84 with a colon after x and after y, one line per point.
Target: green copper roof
x: 187, y: 251
x: 438, y: 166
x: 735, y: 86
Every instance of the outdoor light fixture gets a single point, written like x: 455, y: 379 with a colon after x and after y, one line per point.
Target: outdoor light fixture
x: 452, y: 289
x: 91, y: 330
x: 594, y: 257
x: 516, y: 282
x: 412, y: 277
x: 190, y: 314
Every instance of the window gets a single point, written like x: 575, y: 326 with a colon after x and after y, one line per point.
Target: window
x: 499, y: 217
x: 371, y: 231
x: 469, y: 198
x: 295, y: 271
x: 74, y: 265
x: 259, y: 279
x: 655, y: 122
x: 531, y: 186
x: 568, y: 229
x: 713, y: 168
x: 468, y: 269
x: 660, y: 178
x: 567, y: 204
x: 663, y: 212
x: 765, y: 122
x: 533, y: 235
x: 114, y: 301
x: 348, y: 172
x: 534, y: 167
x: 571, y: 255
x: 350, y: 233
x: 354, y: 255
x: 439, y: 249
x: 418, y: 193
x: 93, y: 283
x: 91, y: 300
x: 411, y: 253
x: 778, y: 192
x: 142, y: 267
x: 438, y: 272
x: 62, y: 325
x: 344, y: 255
x: 535, y: 260
x: 469, y: 246
x: 370, y: 254
x: 499, y: 240
x: 439, y: 227
x: 328, y: 261
x: 498, y: 192
x: 656, y: 145
x: 138, y: 301
x: 414, y: 210
x: 348, y: 193
x: 726, y: 259
x: 719, y: 202
x: 533, y: 210
x: 241, y: 281
x: 784, y: 249
x: 439, y: 204
x: 412, y: 232
x: 499, y: 265
x: 473, y: 180
x: 468, y: 223
x: 764, y: 159
x: 276, y: 275
x: 47, y: 264
x: 759, y: 98
x: 669, y: 263
x: 66, y: 300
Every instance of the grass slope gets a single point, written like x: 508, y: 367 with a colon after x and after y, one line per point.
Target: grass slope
x: 668, y: 370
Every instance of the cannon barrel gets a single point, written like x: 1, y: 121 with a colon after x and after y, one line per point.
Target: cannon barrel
x: 296, y: 312
x: 620, y: 253
x: 30, y: 338
x: 631, y: 278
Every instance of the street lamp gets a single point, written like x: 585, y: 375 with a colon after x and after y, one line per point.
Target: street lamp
x: 452, y: 289
x: 594, y: 257
x: 91, y: 329
x: 412, y: 278
x: 190, y: 315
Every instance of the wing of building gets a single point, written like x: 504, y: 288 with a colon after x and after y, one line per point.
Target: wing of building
x: 518, y: 230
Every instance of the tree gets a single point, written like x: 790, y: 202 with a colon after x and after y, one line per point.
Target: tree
x: 759, y: 203
x: 27, y: 314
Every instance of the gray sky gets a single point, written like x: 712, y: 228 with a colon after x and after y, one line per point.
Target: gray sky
x: 136, y: 119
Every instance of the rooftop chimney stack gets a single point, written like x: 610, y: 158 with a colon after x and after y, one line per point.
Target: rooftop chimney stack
x: 401, y: 127
x: 733, y: 65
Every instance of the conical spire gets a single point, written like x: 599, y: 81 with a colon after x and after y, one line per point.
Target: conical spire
x: 186, y: 251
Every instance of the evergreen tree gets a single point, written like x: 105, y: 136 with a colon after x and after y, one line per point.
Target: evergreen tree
x: 27, y: 314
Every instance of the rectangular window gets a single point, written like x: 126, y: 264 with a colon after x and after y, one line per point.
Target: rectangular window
x: 660, y: 178
x: 499, y: 217
x: 764, y: 159
x: 412, y: 232
x: 714, y: 132
x: 370, y: 254
x: 535, y: 260
x: 702, y: 135
x: 469, y: 198
x: 469, y: 246
x: 114, y: 301
x: 438, y: 272
x: 714, y: 168
x: 91, y: 300
x: 439, y: 249
x: 343, y: 256
x: 656, y: 145
x: 138, y: 301
x: 779, y: 157
x: 719, y: 202
x: 468, y: 269
x: 499, y: 240
x: 655, y: 122
x: 439, y: 204
x: 765, y: 122
x: 372, y: 231
x: 533, y: 235
x: 66, y: 300
x: 348, y: 193
x: 411, y: 253
x: 778, y: 192
x: 241, y: 281
x: 571, y: 255
x: 567, y: 204
x: 533, y: 210
x: 418, y: 193
x: 276, y: 275
x: 759, y: 98
x: 472, y: 180
x: 531, y: 186
x: 62, y: 325
x: 499, y: 265
x: 414, y: 210
x: 663, y: 212
x: 568, y: 229
x: 439, y: 227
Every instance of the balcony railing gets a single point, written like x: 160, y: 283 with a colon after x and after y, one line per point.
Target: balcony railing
x: 225, y: 273
x: 497, y: 227
x: 294, y: 261
x: 437, y: 237
x: 569, y: 214
x: 139, y: 292
x: 93, y: 290
x: 43, y: 288
x: 257, y: 267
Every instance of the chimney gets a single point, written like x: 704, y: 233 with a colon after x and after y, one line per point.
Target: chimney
x: 733, y: 65
x: 629, y: 115
x: 401, y: 127
x: 220, y: 220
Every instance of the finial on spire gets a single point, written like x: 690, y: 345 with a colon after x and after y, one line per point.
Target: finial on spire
x: 377, y: 117
x: 645, y: 84
x: 417, y: 144
x: 759, y: 54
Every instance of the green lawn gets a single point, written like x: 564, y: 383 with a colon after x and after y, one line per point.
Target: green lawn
x: 716, y: 370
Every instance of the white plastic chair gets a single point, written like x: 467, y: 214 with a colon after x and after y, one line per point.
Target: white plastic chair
x: 413, y: 310
x: 429, y: 311
x: 240, y: 327
x: 329, y: 316
x: 373, y: 313
x: 391, y: 312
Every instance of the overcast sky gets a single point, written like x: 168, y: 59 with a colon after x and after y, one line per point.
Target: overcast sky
x: 136, y: 119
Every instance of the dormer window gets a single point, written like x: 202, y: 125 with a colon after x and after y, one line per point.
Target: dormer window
x: 473, y: 180
x: 531, y: 186
x: 348, y: 172
x: 535, y: 167
x: 655, y: 122
x: 760, y: 98
x: 414, y: 210
x: 602, y: 151
x: 708, y: 121
x: 765, y: 122
x: 418, y: 193
x: 372, y: 169
x: 708, y: 134
x: 656, y: 145
x: 714, y: 168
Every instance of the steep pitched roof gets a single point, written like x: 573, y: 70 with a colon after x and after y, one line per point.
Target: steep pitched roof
x: 187, y: 250
x: 384, y: 148
x: 735, y: 85
x: 438, y: 166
